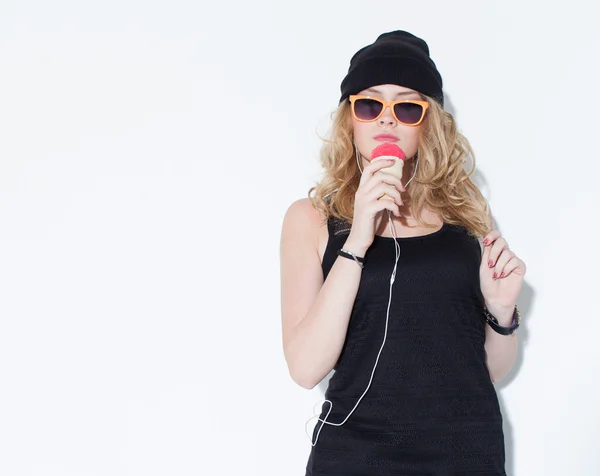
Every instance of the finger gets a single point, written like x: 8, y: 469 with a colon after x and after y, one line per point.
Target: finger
x: 386, y: 189
x: 495, y: 250
x: 491, y: 237
x: 381, y: 176
x: 373, y: 167
x: 486, y: 255
x: 380, y: 169
x: 512, y: 266
x: 385, y: 204
x: 501, y: 263
x: 388, y: 177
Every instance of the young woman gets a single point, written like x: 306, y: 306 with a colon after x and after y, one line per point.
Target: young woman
x: 399, y: 285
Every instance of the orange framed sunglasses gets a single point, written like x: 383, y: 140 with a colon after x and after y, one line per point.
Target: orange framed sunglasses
x: 409, y: 112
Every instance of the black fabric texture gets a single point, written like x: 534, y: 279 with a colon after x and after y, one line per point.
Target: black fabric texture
x: 432, y: 408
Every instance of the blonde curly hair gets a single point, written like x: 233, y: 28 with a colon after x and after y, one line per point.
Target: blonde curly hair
x: 441, y: 183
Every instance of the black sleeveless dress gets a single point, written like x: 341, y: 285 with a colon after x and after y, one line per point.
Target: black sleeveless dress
x: 432, y: 408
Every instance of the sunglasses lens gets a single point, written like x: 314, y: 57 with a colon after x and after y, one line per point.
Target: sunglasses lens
x: 367, y: 109
x: 408, y: 113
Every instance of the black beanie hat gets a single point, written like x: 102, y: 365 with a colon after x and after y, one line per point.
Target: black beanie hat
x: 397, y: 57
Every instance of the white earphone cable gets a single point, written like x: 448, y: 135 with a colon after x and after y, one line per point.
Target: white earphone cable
x: 387, y: 317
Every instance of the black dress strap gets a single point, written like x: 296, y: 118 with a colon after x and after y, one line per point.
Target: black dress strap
x: 338, y: 227
x: 338, y: 232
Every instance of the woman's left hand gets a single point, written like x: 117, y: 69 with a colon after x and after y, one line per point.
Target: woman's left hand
x: 501, y: 275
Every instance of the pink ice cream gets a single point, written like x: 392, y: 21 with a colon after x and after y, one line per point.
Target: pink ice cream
x: 390, y: 151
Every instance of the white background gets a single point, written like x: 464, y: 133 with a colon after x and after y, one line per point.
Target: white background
x: 148, y: 152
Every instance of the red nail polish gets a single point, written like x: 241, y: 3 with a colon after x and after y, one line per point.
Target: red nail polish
x: 490, y: 263
x: 495, y: 276
x: 502, y: 275
x: 485, y: 242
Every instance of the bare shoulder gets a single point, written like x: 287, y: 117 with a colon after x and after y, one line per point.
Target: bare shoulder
x: 303, y: 211
x: 302, y: 216
x: 305, y: 226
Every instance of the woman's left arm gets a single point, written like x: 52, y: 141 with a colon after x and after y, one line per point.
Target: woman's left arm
x: 501, y: 276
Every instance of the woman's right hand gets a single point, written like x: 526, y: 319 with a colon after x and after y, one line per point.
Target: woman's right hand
x: 368, y: 209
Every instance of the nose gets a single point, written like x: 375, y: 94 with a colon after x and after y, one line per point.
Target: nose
x: 387, y: 118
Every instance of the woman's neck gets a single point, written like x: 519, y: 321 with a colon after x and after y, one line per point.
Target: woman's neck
x: 407, y: 220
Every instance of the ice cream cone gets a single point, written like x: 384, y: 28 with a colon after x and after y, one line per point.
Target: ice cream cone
x: 390, y: 151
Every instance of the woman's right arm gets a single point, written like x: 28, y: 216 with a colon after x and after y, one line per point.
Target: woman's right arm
x: 315, y: 313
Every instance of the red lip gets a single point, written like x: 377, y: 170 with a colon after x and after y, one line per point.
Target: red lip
x: 386, y: 138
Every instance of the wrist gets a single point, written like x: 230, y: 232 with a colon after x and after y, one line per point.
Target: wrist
x: 500, y: 327
x: 504, y: 314
x: 356, y: 248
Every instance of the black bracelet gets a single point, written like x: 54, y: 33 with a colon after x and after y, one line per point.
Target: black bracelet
x: 348, y: 254
x: 505, y: 331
